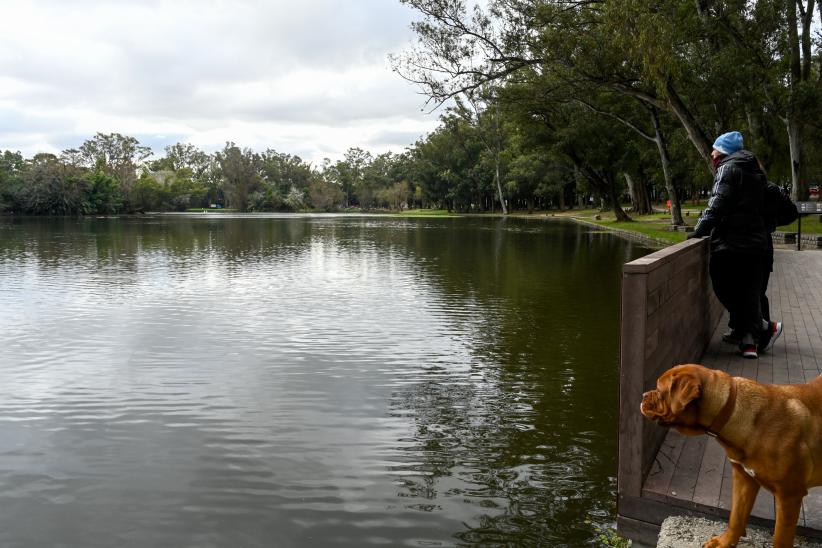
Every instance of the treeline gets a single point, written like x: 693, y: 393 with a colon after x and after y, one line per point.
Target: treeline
x: 113, y: 173
x: 551, y: 103
x: 453, y: 168
x: 615, y: 96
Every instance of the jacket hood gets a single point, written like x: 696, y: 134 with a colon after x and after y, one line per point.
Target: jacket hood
x: 742, y: 158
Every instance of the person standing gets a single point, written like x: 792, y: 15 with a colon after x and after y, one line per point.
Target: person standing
x: 779, y: 211
x: 740, y: 239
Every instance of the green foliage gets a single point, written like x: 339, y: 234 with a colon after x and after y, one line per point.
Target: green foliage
x: 811, y: 224
x: 282, y: 172
x: 103, y: 195
x: 265, y: 199
x: 704, y: 67
x: 148, y: 195
x: 349, y: 174
x: 114, y: 154
x: 184, y: 191
x: 295, y: 201
x: 240, y: 170
x: 428, y: 213
x: 607, y: 536
x: 610, y: 538
x: 325, y: 196
x: 101, y: 177
x: 11, y: 167
x: 46, y: 189
x: 394, y: 197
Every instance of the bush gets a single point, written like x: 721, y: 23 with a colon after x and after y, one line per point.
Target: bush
x: 267, y: 199
x: 148, y: 195
x: 295, y: 201
x: 103, y: 194
x: 325, y: 196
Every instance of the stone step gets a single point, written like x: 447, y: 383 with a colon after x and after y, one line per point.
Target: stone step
x: 688, y: 532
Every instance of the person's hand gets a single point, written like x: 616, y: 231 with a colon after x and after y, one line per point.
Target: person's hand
x: 691, y: 235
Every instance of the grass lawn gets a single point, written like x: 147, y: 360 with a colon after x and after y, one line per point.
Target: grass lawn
x: 810, y: 225
x: 655, y: 225
x: 651, y: 228
x: 428, y: 213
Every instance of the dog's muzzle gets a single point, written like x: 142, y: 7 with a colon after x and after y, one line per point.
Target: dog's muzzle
x: 650, y: 404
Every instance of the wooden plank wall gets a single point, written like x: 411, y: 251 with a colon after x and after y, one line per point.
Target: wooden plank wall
x: 669, y: 312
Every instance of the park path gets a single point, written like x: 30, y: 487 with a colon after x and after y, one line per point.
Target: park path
x: 692, y: 473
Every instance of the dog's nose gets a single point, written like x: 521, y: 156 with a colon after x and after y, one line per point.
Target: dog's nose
x: 646, y: 397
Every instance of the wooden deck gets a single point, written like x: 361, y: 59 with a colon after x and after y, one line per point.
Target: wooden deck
x: 691, y: 474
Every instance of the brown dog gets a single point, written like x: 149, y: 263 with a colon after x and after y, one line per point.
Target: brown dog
x: 771, y: 433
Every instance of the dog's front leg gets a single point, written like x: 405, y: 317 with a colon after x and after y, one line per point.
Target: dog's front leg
x: 745, y: 489
x: 787, y: 514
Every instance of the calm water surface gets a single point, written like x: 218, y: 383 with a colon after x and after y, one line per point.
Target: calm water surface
x: 302, y: 381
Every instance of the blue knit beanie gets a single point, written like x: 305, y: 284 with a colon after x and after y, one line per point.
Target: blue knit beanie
x: 728, y: 143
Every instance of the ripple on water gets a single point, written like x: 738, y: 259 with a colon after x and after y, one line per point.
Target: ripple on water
x: 316, y: 381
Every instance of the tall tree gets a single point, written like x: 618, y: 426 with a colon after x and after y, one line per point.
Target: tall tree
x: 801, y: 86
x: 350, y: 171
x: 656, y: 136
x: 483, y: 111
x: 187, y: 156
x: 240, y: 169
x: 115, y: 154
x: 285, y: 171
x: 11, y: 169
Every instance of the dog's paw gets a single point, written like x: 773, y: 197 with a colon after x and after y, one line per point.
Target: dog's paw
x: 722, y: 541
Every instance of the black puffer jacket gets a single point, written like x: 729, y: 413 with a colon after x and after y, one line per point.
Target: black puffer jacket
x: 735, y: 214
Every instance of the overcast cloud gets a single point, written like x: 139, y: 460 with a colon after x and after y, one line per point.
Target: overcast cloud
x: 309, y: 78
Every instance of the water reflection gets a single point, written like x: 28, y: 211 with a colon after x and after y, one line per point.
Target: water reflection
x: 306, y: 381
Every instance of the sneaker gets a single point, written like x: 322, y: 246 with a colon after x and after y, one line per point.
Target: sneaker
x: 732, y: 337
x: 749, y: 351
x: 769, y: 336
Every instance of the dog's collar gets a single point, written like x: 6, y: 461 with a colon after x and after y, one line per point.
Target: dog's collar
x: 725, y: 413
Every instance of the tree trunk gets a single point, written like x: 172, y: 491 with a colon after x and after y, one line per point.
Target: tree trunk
x: 620, y: 214
x: 499, y: 184
x: 798, y: 190
x: 674, y: 104
x: 673, y: 195
x: 799, y: 72
x: 639, y: 196
x: 605, y: 184
x: 692, y: 127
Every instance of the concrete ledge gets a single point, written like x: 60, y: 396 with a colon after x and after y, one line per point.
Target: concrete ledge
x: 812, y: 239
x: 790, y: 238
x: 785, y: 237
x: 688, y: 532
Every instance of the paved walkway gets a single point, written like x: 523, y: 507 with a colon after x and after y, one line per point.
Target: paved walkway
x: 692, y: 472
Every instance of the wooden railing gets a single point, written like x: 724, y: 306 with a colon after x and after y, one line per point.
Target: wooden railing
x: 669, y: 312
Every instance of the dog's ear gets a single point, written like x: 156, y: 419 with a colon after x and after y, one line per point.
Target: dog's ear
x: 685, y: 388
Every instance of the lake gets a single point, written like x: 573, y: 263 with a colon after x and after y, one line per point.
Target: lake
x: 307, y: 380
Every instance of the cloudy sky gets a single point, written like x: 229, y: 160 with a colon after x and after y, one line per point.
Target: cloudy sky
x: 308, y: 77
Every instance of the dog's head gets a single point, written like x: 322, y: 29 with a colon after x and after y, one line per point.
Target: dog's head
x: 675, y: 402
